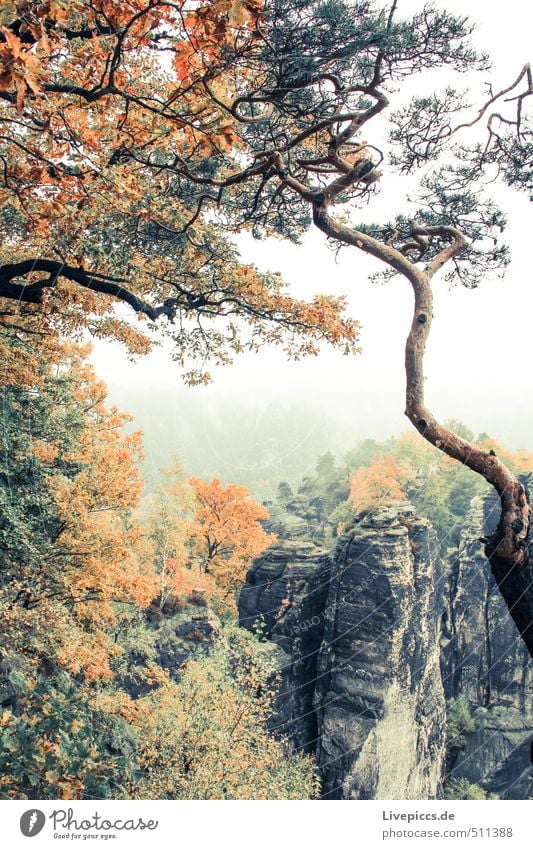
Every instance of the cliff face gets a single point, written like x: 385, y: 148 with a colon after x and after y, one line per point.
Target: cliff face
x: 379, y: 698
x: 284, y: 597
x: 485, y: 660
x: 376, y: 638
x: 361, y: 686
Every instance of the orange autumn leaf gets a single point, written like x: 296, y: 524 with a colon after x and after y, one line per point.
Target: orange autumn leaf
x: 72, y: 564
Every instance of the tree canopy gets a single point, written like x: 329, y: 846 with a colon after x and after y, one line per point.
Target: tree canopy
x: 141, y: 136
x: 88, y: 708
x: 110, y: 134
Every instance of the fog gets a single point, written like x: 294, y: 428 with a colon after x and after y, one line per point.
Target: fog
x: 478, y: 363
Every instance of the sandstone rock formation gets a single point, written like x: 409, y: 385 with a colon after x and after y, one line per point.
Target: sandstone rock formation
x: 361, y: 686
x: 485, y: 660
x: 175, y: 636
x: 284, y: 598
x: 376, y: 637
x: 379, y: 697
x: 190, y: 632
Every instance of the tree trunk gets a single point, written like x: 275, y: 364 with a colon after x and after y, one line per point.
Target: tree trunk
x: 506, y: 549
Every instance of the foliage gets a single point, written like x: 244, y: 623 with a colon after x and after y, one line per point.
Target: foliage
x: 166, y: 515
x: 284, y: 492
x: 364, y: 454
x: 440, y: 489
x: 459, y: 723
x: 202, y: 537
x: 340, y: 516
x: 59, y: 746
x: 226, y: 533
x: 116, y: 136
x: 406, y: 467
x: 83, y: 572
x: 325, y: 466
x: 205, y: 737
x: 461, y: 788
x: 69, y: 480
x: 126, y: 122
x: 378, y: 484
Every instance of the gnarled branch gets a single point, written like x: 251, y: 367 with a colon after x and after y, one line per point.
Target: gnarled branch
x: 507, y: 548
x: 32, y: 293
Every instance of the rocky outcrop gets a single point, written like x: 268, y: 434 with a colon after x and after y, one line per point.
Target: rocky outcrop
x: 284, y: 524
x: 485, y: 660
x: 361, y: 636
x: 176, y: 635
x: 308, y: 512
x: 190, y: 632
x: 284, y: 598
x: 376, y: 638
x: 379, y: 699
x: 497, y: 754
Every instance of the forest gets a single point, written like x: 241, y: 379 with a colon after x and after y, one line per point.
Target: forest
x: 203, y: 604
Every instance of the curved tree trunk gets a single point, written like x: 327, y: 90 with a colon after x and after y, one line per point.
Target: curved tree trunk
x: 507, y: 548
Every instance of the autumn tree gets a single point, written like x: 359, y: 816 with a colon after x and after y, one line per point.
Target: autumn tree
x: 226, y: 532
x: 408, y: 467
x: 167, y: 516
x: 57, y: 745
x: 148, y: 123
x: 314, y: 88
x: 206, y: 736
x: 201, y: 536
x: 72, y: 570
x: 78, y: 576
x: 109, y: 128
x: 68, y: 484
x: 378, y: 484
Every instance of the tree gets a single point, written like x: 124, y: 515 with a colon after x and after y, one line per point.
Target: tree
x: 378, y: 484
x: 68, y: 484
x: 109, y: 127
x: 325, y: 466
x: 201, y: 536
x: 56, y: 745
x: 226, y: 533
x: 284, y: 493
x: 206, y: 737
x: 322, y: 74
x: 441, y: 490
x: 167, y: 517
x: 260, y: 120
x: 78, y: 579
x: 460, y: 723
x: 461, y: 788
x: 365, y: 453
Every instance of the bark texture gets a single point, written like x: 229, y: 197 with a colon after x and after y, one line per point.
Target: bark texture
x: 507, y: 548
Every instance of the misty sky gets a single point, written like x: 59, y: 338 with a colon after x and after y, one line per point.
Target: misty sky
x: 478, y: 364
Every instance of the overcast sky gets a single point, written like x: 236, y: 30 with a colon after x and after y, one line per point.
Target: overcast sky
x: 478, y: 364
